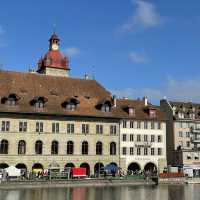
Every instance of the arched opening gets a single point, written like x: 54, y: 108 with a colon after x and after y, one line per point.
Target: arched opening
x: 37, y: 168
x: 69, y: 165
x: 98, y: 168
x: 85, y: 148
x: 3, y: 165
x: 99, y: 148
x: 4, y: 147
x: 87, y: 166
x: 21, y: 147
x: 23, y: 168
x: 38, y: 147
x: 54, y: 148
x: 150, y: 167
x: 70, y: 147
x: 113, y: 148
x: 134, y: 168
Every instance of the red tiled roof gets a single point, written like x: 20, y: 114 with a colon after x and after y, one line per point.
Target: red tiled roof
x: 57, y: 89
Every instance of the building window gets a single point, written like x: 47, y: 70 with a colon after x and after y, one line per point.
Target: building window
x: 188, y: 157
x: 99, y: 148
x: 5, y: 126
x: 145, y: 138
x: 4, y: 147
x: 54, y: 148
x: 138, y: 138
x: 22, y: 126
x: 138, y: 151
x: 84, y: 148
x: 152, y: 151
x: 131, y: 124
x: 99, y: 129
x: 39, y: 104
x: 138, y: 125
x: 85, y: 128
x: 188, y: 144
x: 124, y: 150
x: 124, y: 137
x: 124, y: 123
x: 11, y: 101
x: 145, y: 125
x: 159, y: 151
x: 70, y: 106
x: 187, y: 134
x: 159, y: 125
x: 159, y: 138
x: 180, y: 134
x: 113, y: 148
x: 131, y: 151
x: 22, y: 147
x: 113, y: 130
x: 131, y: 137
x: 38, y: 147
x: 152, y: 125
x: 70, y: 128
x: 152, y: 138
x: 145, y: 151
x: 70, y: 148
x: 39, y: 127
x: 55, y: 127
x: 105, y: 108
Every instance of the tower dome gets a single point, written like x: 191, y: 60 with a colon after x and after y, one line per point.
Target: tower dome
x: 54, y: 62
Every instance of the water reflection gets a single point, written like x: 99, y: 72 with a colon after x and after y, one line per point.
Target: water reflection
x: 162, y: 192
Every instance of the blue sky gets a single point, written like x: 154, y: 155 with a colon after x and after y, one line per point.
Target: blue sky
x: 134, y: 47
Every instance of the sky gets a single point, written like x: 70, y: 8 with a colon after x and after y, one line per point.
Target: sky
x: 134, y: 48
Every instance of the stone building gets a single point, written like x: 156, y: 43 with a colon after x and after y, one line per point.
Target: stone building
x: 142, y: 136
x: 183, y: 134
x: 48, y: 118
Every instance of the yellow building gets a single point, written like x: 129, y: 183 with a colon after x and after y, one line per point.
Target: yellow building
x: 48, y: 118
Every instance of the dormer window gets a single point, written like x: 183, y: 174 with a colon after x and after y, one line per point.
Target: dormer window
x: 11, y: 100
x: 192, y: 115
x: 104, y: 105
x: 38, y: 102
x: 180, y: 115
x: 105, y: 108
x: 70, y: 104
x: 152, y: 113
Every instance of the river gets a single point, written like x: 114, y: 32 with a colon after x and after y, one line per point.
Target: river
x: 161, y: 192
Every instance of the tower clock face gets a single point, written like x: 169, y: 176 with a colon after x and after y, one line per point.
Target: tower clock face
x: 54, y: 46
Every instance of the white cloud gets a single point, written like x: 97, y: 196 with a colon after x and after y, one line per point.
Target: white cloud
x: 178, y: 90
x: 144, y: 15
x: 138, y: 57
x: 72, y: 51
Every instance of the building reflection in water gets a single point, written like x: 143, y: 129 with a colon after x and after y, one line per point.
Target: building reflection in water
x: 161, y: 192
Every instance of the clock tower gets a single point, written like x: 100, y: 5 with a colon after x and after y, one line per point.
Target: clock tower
x: 54, y: 62
x: 54, y: 42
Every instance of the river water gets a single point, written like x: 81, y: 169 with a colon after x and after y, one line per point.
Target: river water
x: 161, y: 192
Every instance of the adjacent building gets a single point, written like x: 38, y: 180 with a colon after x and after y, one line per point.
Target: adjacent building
x: 183, y: 134
x: 142, y: 136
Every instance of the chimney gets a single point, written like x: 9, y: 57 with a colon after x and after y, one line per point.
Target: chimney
x: 86, y: 76
x: 114, y: 101
x: 145, y: 99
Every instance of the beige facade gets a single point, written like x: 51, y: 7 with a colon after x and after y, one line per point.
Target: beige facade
x: 13, y: 136
x: 134, y: 141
